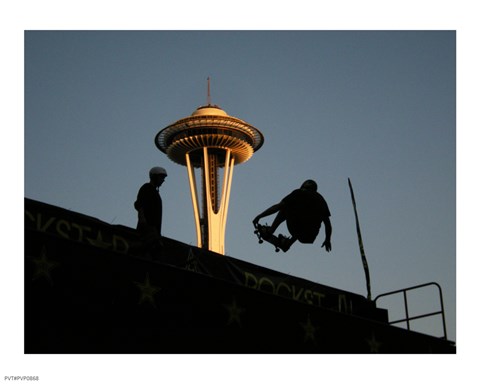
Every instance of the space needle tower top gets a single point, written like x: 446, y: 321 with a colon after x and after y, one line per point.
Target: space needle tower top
x: 210, y: 139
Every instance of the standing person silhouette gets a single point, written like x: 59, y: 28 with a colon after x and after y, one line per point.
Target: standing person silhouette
x: 304, y: 210
x: 149, y: 207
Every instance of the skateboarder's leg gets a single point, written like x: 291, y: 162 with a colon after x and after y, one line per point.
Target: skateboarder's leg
x: 279, y: 219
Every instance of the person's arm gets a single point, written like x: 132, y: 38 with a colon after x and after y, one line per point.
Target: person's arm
x: 142, y: 220
x: 270, y: 211
x: 328, y: 235
x: 141, y: 216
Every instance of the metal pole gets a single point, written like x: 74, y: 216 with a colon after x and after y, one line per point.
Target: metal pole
x: 360, y: 243
x: 406, y: 309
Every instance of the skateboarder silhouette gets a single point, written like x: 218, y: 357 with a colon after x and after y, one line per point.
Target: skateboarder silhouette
x: 304, y: 210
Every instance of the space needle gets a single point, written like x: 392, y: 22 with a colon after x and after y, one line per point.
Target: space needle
x: 209, y: 139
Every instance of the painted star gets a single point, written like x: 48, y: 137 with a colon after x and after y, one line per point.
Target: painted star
x: 234, y: 313
x: 309, y: 330
x: 147, y: 291
x: 192, y: 262
x: 43, y: 266
x: 98, y: 242
x: 373, y: 344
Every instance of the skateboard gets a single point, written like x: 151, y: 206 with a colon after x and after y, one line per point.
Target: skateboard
x: 279, y: 242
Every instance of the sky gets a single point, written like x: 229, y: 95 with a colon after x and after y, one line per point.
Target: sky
x: 376, y: 107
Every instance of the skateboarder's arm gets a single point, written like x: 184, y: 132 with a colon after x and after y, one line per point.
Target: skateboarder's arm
x: 328, y: 234
x: 270, y: 211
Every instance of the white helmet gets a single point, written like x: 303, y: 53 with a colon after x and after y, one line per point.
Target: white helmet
x: 158, y: 171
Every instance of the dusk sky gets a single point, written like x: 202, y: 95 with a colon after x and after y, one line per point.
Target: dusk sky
x: 378, y: 107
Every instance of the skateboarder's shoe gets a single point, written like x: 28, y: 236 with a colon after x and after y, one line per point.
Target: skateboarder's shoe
x: 284, y: 243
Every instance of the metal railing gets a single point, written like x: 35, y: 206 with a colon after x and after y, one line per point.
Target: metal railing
x: 407, y: 318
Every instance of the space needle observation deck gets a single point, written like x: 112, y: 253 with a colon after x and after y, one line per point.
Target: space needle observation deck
x: 210, y: 139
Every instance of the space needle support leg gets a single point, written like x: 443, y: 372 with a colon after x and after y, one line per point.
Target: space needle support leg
x: 208, y: 201
x: 216, y: 220
x: 194, y: 195
x: 227, y: 184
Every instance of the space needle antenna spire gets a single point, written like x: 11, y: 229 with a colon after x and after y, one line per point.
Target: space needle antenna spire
x: 209, y: 140
x: 209, y: 99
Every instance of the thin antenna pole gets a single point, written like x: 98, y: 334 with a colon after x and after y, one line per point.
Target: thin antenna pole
x: 209, y: 101
x: 360, y: 243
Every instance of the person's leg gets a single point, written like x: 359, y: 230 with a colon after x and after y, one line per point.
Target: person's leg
x: 279, y: 219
